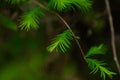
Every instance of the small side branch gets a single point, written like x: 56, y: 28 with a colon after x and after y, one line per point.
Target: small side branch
x: 112, y: 34
x: 66, y: 24
x: 72, y: 34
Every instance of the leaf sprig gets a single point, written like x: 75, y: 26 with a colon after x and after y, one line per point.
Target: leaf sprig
x: 95, y: 50
x: 61, y: 42
x: 31, y: 19
x: 63, y: 5
x: 97, y: 65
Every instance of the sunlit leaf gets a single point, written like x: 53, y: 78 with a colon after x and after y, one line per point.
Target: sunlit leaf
x: 96, y: 66
x: 61, y: 42
x: 31, y: 19
x: 101, y: 49
x: 62, y: 5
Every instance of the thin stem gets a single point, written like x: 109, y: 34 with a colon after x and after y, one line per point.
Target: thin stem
x: 67, y: 25
x: 72, y: 34
x: 112, y: 34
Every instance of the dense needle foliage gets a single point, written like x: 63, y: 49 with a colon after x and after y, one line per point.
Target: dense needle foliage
x: 61, y: 42
x: 61, y: 5
x: 31, y: 19
x: 97, y: 65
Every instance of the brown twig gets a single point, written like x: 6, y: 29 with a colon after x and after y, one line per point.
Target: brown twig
x: 112, y: 34
x: 72, y: 34
x: 66, y: 24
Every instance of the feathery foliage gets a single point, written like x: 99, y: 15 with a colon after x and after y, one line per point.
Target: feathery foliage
x: 83, y: 5
x: 101, y: 49
x: 97, y: 65
x: 61, y: 42
x: 62, y: 5
x: 15, y: 1
x: 31, y: 19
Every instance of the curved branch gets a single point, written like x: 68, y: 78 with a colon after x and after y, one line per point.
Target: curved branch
x: 66, y: 24
x: 72, y: 34
x: 112, y: 35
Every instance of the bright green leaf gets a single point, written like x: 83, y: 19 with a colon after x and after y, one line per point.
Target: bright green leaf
x: 60, y: 5
x: 31, y: 19
x: 96, y: 66
x: 63, y: 5
x: 83, y: 5
x: 101, y: 49
x: 61, y: 42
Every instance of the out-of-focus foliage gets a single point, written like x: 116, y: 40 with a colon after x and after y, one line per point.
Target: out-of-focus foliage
x: 7, y: 22
x: 15, y: 1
